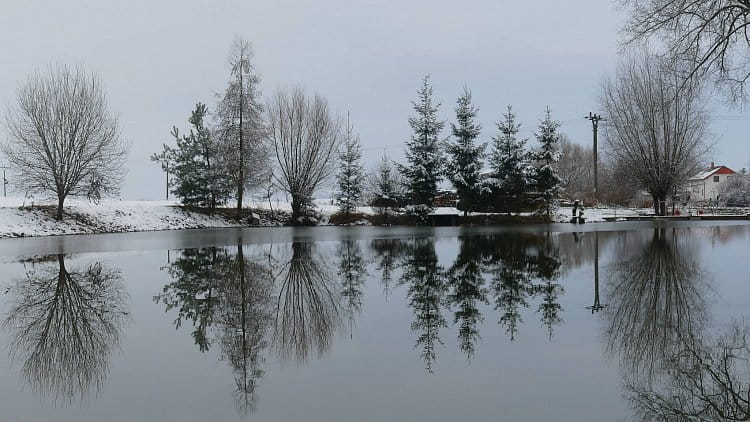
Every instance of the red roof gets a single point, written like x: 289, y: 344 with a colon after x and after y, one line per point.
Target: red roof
x: 713, y: 171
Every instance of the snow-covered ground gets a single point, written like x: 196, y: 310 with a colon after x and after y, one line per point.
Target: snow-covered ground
x: 597, y: 214
x: 17, y: 218
x: 24, y: 217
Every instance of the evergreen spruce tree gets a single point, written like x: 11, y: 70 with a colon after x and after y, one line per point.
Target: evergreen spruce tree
x: 351, y: 177
x: 198, y: 176
x: 546, y: 176
x: 509, y: 162
x: 386, y: 190
x: 465, y: 164
x: 424, y: 167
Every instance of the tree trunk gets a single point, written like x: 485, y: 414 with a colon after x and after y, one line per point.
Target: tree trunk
x: 656, y: 204
x: 296, y: 211
x: 60, y: 201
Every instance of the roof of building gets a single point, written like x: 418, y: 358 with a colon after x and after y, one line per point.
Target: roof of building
x: 714, y: 170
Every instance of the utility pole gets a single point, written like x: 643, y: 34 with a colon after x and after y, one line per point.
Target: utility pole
x: 5, y: 181
x: 597, y: 306
x: 166, y: 169
x: 595, y: 119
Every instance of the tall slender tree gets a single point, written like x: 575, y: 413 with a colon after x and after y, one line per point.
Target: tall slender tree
x: 510, y: 164
x: 240, y: 121
x: 350, y: 178
x: 424, y: 169
x: 547, y: 156
x: 465, y: 166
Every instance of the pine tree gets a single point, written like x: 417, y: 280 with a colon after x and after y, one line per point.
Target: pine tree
x: 198, y: 177
x: 425, y: 162
x: 465, y: 166
x: 509, y: 162
x: 351, y: 174
x: 386, y: 189
x: 547, y: 156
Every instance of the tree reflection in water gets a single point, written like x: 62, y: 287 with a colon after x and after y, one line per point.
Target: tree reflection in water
x: 700, y: 381
x: 222, y: 289
x: 253, y: 303
x: 64, y: 325
x: 308, y: 306
x: 524, y: 266
x: 352, y: 272
x: 654, y: 298
x: 467, y: 292
x: 426, y: 290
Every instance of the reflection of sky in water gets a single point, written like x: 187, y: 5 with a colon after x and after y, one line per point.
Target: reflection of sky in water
x: 345, y: 330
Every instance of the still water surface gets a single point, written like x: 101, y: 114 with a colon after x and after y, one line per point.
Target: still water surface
x: 369, y: 324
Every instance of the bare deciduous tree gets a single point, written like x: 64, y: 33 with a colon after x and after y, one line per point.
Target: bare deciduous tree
x: 240, y: 121
x: 575, y: 168
x: 63, y: 139
x: 703, y: 38
x: 304, y: 136
x: 656, y: 133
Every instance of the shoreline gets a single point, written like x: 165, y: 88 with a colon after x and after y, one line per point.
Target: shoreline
x: 21, y: 218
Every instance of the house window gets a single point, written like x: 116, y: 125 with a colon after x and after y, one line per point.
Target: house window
x: 716, y: 179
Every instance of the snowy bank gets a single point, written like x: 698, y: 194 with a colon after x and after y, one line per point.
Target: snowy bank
x: 27, y: 217
x: 19, y: 217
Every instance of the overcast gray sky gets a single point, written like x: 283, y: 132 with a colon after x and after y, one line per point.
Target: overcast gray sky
x: 158, y: 58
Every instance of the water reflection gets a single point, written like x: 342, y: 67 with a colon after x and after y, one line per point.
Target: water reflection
x: 655, y: 297
x: 64, y: 325
x: 287, y: 301
x: 467, y: 292
x: 352, y: 271
x: 426, y: 292
x: 522, y: 267
x: 223, y: 290
x: 308, y: 310
x: 701, y: 380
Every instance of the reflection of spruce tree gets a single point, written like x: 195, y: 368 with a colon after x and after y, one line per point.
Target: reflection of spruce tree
x: 387, y: 254
x: 426, y: 281
x: 244, y: 318
x: 467, y: 292
x: 197, y: 277
x: 308, y: 310
x: 352, y: 271
x: 547, y: 265
x: 654, y: 298
x: 64, y: 325
x: 510, y: 266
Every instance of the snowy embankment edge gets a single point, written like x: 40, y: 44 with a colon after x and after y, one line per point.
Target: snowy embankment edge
x: 33, y: 218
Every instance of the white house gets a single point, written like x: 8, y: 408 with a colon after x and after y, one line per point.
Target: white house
x: 706, y: 185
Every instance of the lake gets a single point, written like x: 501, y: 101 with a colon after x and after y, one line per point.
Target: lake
x: 535, y: 323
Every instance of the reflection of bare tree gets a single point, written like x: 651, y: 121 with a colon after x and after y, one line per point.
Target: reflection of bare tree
x: 654, y: 297
x: 701, y: 382
x: 308, y: 309
x: 64, y: 325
